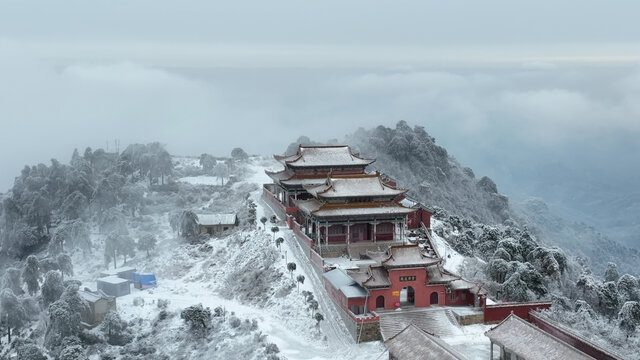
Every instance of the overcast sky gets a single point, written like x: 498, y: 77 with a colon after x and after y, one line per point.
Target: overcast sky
x: 509, y: 87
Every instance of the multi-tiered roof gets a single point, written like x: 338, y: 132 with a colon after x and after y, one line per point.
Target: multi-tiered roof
x: 311, y: 165
x: 352, y: 195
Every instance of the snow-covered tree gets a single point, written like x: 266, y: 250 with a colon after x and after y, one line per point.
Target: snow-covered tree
x: 65, y: 317
x: 65, y: 264
x: 611, y: 273
x: 31, y: 274
x: 74, y: 205
x: 628, y: 288
x: 11, y: 280
x: 274, y: 230
x: 207, y: 162
x: 318, y: 317
x: 299, y: 280
x: 515, y: 288
x: 291, y: 267
x: 189, y: 228
x: 114, y: 327
x: 609, y: 300
x: 126, y: 247
x: 198, y: 318
x: 52, y: 287
x: 263, y: 220
x: 239, y: 154
x: 629, y: 316
x: 279, y: 242
x: 12, y: 313
x: 72, y: 352
x: 221, y: 171
x: 29, y: 351
x: 147, y: 243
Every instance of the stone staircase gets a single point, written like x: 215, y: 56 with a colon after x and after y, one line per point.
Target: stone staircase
x: 438, y: 321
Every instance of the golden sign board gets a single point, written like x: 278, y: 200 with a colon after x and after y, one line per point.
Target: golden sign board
x: 395, y: 293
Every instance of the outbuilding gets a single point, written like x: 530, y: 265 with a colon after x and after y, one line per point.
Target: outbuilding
x: 213, y: 224
x: 99, y: 305
x: 125, y: 272
x: 114, y: 286
x: 144, y: 281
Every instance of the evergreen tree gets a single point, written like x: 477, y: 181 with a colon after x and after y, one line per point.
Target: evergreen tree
x: 31, y: 274
x: 65, y: 264
x: 52, y: 287
x: 611, y: 273
x: 12, y: 313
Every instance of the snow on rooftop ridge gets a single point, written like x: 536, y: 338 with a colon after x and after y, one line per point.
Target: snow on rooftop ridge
x: 529, y: 342
x: 216, y: 219
x: 324, y: 156
x: 113, y: 280
x: 364, y: 185
x: 414, y: 343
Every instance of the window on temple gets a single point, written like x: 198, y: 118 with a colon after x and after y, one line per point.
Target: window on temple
x: 453, y: 296
x: 464, y: 296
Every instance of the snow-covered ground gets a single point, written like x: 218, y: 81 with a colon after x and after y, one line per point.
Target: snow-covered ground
x: 242, y: 272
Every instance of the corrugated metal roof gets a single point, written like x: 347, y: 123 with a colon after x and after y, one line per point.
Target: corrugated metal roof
x: 413, y: 343
x: 531, y: 343
x: 216, y: 219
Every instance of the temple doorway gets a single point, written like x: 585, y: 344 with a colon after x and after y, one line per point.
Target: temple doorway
x: 433, y: 300
x: 380, y: 302
x: 407, y: 296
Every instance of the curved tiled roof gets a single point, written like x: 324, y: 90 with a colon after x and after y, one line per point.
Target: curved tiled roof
x: 324, y: 156
x: 365, y: 185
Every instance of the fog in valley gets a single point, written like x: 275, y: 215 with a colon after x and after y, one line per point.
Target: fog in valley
x: 544, y: 113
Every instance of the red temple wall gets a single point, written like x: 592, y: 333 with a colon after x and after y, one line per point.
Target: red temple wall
x: 498, y: 312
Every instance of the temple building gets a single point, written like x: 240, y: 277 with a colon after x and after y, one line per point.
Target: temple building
x: 348, y: 209
x: 337, y: 204
x: 404, y: 275
x: 310, y: 166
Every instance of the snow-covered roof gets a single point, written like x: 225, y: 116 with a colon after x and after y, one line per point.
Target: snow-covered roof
x: 319, y: 209
x: 216, y: 219
x: 403, y: 256
x: 529, y: 342
x: 437, y: 274
x: 280, y: 175
x: 363, y: 185
x: 324, y: 156
x: 372, y: 277
x: 94, y: 296
x: 117, y: 271
x: 413, y: 343
x: 341, y: 281
x: 113, y: 280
